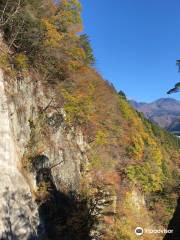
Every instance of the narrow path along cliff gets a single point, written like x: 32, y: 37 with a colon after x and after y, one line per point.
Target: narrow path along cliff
x: 18, y: 216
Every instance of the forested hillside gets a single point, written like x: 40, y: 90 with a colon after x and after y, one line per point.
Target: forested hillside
x: 165, y: 112
x: 118, y: 170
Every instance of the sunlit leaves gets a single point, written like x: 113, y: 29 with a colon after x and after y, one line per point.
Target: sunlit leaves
x: 52, y: 37
x: 68, y: 17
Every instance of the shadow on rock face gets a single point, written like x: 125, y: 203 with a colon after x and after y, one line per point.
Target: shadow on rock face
x: 64, y: 216
x: 61, y: 216
x: 18, y: 216
x: 174, y: 225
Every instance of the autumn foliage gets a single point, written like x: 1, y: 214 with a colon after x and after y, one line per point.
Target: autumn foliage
x: 126, y: 151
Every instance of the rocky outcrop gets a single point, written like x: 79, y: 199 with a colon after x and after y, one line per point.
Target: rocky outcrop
x: 64, y: 147
x: 62, y: 154
x: 45, y: 163
x: 18, y: 212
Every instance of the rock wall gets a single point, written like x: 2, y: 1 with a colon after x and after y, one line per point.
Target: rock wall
x: 63, y: 152
x: 18, y: 213
x: 63, y: 147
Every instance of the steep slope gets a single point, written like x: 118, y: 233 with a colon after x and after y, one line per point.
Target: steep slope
x: 95, y: 167
x: 165, y: 112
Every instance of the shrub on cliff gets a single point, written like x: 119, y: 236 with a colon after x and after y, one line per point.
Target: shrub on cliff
x: 47, y: 33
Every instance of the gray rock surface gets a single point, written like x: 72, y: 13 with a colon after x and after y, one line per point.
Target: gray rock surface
x: 18, y: 212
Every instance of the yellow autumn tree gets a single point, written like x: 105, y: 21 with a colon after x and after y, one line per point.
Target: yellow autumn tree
x: 68, y: 17
x: 53, y: 37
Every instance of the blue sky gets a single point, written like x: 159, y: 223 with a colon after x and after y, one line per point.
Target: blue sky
x: 136, y: 44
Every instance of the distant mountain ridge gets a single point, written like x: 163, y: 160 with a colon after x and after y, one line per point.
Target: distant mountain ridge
x: 165, y: 112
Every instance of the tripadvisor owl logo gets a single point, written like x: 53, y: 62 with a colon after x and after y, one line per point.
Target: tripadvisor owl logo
x: 139, y: 231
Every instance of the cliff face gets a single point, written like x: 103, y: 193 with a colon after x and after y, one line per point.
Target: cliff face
x: 62, y: 147
x: 18, y: 213
x: 43, y: 162
x: 63, y: 152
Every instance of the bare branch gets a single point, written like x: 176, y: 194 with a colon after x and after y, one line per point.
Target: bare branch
x: 2, y: 16
x: 15, y: 36
x: 12, y: 15
x: 1, y: 49
x: 49, y: 104
x: 55, y: 165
